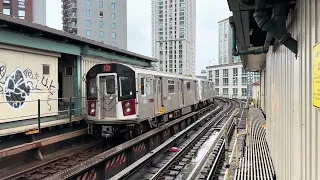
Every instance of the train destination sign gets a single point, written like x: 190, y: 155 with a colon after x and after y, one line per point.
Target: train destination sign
x: 316, y: 75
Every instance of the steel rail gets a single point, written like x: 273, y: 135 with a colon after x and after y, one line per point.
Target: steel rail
x: 199, y: 166
x: 125, y: 154
x: 204, y: 157
x: 137, y: 166
x: 219, y: 156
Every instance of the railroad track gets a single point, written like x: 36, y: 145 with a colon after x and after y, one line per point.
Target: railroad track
x: 85, y: 162
x: 218, y: 169
x: 215, y: 166
x: 176, y: 165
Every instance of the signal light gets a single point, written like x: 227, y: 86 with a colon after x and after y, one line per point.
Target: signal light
x: 129, y: 107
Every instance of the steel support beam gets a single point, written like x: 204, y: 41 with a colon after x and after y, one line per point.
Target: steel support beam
x: 18, y: 39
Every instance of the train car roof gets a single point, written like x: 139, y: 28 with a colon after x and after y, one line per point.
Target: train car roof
x: 165, y: 74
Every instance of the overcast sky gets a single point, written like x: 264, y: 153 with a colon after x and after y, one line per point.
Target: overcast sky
x: 209, y: 12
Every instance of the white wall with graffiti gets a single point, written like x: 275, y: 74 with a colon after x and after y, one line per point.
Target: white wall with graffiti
x: 24, y: 78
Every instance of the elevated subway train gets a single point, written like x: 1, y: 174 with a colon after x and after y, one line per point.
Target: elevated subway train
x: 131, y: 100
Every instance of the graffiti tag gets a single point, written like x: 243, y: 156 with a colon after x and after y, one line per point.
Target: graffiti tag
x: 16, y: 89
x: 18, y: 85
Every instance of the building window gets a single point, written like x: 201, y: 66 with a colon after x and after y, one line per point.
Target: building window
x: 6, y: 11
x: 88, y: 23
x: 244, y: 72
x: 244, y: 91
x: 68, y: 71
x: 45, y: 69
x: 210, y: 74
x: 100, y: 14
x: 235, y: 81
x: 244, y: 81
x: 235, y: 91
x: 113, y: 25
x: 217, y: 91
x: 235, y: 72
x: 21, y: 14
x: 225, y: 91
x: 113, y: 35
x: 113, y: 6
x: 217, y: 73
x: 88, y: 3
x: 113, y: 44
x: 88, y: 13
x: 101, y: 4
x: 101, y: 34
x: 256, y: 79
x: 170, y: 86
x: 225, y: 82
x: 88, y: 33
x: 225, y: 72
x: 101, y: 24
x: 113, y: 15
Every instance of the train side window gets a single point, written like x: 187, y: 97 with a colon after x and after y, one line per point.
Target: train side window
x: 170, y: 86
x: 110, y: 84
x: 142, y: 86
x: 188, y: 86
x: 154, y: 86
x: 159, y: 86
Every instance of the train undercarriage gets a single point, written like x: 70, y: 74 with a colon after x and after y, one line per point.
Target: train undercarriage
x: 128, y: 129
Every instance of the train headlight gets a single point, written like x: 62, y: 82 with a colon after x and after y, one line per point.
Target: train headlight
x: 92, y: 111
x: 127, y: 104
x: 128, y: 110
x: 92, y: 105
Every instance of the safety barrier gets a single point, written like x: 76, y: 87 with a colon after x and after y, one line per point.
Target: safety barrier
x: 42, y: 110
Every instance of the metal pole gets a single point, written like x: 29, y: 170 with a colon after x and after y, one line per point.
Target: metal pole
x: 226, y: 146
x: 248, y: 124
x: 236, y: 140
x: 39, y: 115
x: 70, y: 108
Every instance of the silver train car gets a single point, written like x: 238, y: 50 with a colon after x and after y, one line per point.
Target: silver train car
x: 131, y: 100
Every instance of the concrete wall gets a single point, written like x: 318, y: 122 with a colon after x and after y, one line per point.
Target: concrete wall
x: 22, y: 83
x: 293, y: 124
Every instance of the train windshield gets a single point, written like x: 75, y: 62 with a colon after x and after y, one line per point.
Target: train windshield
x: 92, y: 89
x: 126, y: 86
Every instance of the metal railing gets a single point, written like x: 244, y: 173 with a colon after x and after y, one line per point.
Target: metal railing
x: 57, y: 109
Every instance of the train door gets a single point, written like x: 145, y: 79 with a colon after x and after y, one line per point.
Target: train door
x: 108, y: 96
x: 181, y: 94
x: 157, y: 94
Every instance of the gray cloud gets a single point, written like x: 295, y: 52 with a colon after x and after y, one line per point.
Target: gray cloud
x: 209, y: 12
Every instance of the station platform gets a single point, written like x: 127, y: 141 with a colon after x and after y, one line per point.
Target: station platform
x: 25, y: 126
x: 255, y: 161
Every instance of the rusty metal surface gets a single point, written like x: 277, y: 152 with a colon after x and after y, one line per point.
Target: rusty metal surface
x: 40, y: 143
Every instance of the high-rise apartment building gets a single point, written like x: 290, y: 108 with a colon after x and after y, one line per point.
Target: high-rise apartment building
x: 30, y: 10
x: 231, y: 80
x: 225, y: 46
x: 173, y: 35
x: 99, y: 20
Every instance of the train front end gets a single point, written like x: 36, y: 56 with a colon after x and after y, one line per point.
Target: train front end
x: 111, y: 99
